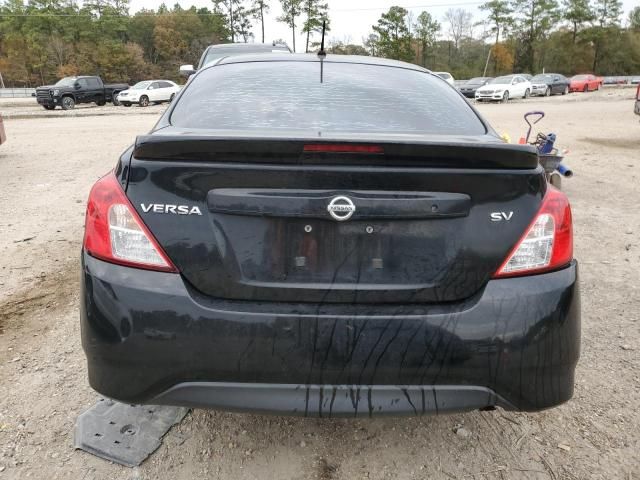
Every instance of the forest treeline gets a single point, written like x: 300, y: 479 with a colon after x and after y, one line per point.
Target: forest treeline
x: 42, y: 40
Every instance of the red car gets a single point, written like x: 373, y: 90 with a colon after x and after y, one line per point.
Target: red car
x: 636, y: 109
x: 585, y: 83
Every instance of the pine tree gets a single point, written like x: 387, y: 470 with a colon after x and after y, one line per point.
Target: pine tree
x: 534, y: 20
x: 577, y: 12
x: 237, y: 17
x: 499, y: 19
x: 259, y: 8
x: 394, y: 38
x: 607, y: 17
x: 291, y: 10
x: 499, y: 16
x: 425, y: 30
x: 316, y: 13
x: 634, y: 18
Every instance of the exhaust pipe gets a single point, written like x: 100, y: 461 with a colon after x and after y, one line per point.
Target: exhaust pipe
x: 565, y: 170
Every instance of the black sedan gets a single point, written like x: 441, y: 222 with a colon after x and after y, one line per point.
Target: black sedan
x: 547, y: 84
x: 362, y: 244
x: 468, y: 88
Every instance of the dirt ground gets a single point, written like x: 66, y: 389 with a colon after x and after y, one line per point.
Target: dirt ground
x: 46, y: 169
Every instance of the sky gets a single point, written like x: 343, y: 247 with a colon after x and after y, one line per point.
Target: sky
x: 351, y: 20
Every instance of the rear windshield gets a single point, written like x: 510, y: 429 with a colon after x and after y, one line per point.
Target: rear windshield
x: 141, y: 85
x: 66, y: 82
x: 288, y: 96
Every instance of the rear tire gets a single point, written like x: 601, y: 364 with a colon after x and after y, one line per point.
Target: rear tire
x: 68, y: 103
x: 172, y: 97
x: 526, y: 93
x: 101, y: 103
x: 49, y: 107
x: 125, y: 104
x: 547, y: 92
x: 505, y: 97
x: 114, y: 99
x: 565, y: 91
x: 144, y: 101
x: 585, y: 89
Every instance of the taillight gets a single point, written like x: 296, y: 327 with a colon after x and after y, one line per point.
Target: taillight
x: 341, y: 148
x: 548, y: 242
x: 114, y: 232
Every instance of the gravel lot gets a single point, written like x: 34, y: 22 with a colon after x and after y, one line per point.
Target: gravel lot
x: 46, y: 169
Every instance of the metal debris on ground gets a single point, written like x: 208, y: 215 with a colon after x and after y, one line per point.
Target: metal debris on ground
x: 124, y: 434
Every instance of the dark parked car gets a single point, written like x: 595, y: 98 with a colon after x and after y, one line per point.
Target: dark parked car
x: 70, y: 91
x: 214, y: 52
x: 468, y: 89
x: 363, y: 245
x: 615, y: 80
x: 547, y: 84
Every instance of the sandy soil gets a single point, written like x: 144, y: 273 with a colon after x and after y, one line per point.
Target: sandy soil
x: 46, y: 169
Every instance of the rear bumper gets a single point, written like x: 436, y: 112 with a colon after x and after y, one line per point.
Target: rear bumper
x: 149, y: 338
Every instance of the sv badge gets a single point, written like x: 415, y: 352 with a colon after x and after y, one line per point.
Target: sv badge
x: 500, y: 216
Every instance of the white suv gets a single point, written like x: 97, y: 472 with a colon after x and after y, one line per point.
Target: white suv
x: 149, y: 91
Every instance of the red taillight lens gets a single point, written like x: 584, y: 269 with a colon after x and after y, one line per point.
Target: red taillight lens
x: 548, y: 242
x: 342, y: 148
x: 114, y: 232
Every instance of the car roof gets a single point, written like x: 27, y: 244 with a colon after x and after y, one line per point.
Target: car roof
x: 310, y: 57
x: 247, y: 46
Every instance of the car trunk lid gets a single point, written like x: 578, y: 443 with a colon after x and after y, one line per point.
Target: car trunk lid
x: 263, y: 219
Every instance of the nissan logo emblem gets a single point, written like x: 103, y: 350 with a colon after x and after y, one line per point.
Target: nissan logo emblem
x: 341, y: 208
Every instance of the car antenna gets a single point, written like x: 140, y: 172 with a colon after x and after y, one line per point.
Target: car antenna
x: 321, y: 53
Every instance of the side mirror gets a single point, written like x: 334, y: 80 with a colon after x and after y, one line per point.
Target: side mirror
x: 187, y: 70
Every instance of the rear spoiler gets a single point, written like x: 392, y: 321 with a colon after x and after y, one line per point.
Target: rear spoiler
x: 476, y: 152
